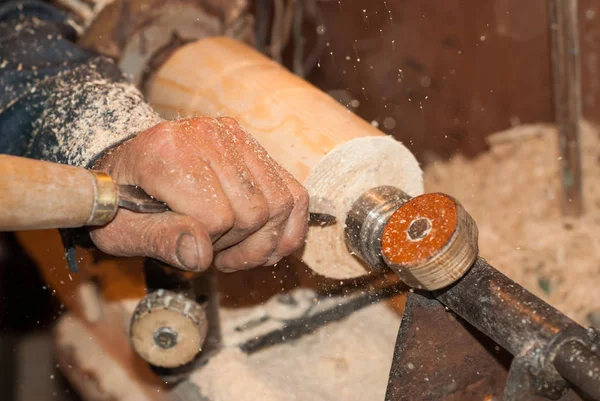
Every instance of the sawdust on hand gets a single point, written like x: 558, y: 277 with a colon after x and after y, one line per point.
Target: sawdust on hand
x: 513, y: 192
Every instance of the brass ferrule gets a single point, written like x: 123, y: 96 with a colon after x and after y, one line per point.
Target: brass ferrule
x: 106, y: 199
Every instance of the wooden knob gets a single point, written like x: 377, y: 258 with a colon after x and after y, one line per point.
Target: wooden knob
x: 168, y: 329
x: 430, y: 241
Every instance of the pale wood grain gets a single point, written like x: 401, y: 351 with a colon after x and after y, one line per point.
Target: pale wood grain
x: 337, y: 155
x: 38, y: 195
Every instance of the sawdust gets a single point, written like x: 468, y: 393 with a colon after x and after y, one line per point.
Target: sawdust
x: 348, y: 360
x: 513, y: 192
x: 88, y: 115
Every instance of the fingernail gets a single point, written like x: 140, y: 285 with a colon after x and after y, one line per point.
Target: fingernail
x: 187, y: 251
x: 273, y: 260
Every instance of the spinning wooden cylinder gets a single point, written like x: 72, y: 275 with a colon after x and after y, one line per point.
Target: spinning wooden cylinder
x: 334, y: 153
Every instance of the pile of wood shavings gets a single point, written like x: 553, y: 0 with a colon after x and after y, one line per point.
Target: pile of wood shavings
x: 513, y: 193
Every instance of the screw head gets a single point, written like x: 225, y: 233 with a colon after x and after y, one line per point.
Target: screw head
x: 165, y: 337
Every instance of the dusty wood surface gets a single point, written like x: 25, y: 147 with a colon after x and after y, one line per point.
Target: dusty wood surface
x: 334, y: 153
x: 348, y: 360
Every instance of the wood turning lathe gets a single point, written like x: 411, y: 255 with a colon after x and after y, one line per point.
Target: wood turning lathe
x: 487, y: 337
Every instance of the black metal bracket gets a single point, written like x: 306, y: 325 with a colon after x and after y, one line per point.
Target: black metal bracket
x: 440, y: 357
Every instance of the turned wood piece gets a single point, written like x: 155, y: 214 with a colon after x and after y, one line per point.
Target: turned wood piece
x: 334, y: 153
x: 168, y: 329
x: 430, y: 241
x: 38, y: 195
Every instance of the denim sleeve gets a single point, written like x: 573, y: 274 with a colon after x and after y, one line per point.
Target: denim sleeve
x: 59, y: 102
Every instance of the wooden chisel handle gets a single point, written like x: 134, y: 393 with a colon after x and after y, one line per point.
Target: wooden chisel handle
x: 40, y: 195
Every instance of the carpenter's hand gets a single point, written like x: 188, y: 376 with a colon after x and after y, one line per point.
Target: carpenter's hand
x: 229, y: 198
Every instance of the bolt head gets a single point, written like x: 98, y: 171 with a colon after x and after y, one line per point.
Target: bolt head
x: 165, y: 337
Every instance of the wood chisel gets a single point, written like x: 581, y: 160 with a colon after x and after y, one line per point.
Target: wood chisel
x: 37, y: 195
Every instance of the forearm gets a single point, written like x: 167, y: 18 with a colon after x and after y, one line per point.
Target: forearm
x: 59, y: 102
x: 86, y: 112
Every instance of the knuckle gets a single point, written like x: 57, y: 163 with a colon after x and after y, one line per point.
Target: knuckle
x: 228, y: 121
x: 253, y: 218
x: 209, y: 131
x: 263, y: 260
x: 154, y: 239
x: 301, y: 197
x: 198, y: 123
x: 261, y: 257
x: 222, y: 221
x: 164, y: 126
x: 282, y: 208
x: 294, y: 243
x: 290, y: 244
x: 273, y: 260
x: 201, y: 120
x: 102, y: 240
x: 109, y: 239
x: 162, y: 138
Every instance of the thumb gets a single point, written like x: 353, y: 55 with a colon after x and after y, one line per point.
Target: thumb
x: 177, y: 240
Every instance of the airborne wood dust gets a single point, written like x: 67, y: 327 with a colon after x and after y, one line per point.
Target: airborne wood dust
x: 513, y: 193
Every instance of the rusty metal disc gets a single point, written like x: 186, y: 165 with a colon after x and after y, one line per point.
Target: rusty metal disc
x: 430, y: 241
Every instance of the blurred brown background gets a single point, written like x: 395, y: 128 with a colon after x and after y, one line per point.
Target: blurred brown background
x: 441, y: 75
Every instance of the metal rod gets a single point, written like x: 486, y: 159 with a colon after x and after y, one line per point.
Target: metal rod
x: 566, y: 88
x: 306, y: 325
x: 522, y: 323
x: 503, y: 310
x: 580, y: 366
